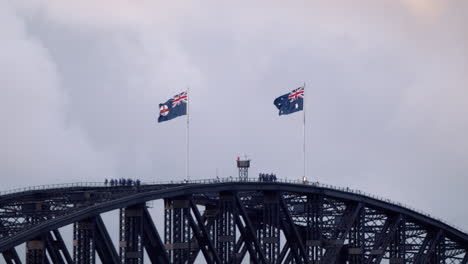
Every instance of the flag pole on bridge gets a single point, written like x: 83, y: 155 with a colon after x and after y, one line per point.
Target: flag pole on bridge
x: 187, y: 134
x: 292, y: 102
x: 304, y: 136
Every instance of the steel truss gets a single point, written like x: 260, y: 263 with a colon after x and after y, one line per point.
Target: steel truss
x: 226, y: 225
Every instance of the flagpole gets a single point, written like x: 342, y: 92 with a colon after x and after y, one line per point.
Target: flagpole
x: 304, y: 133
x: 187, y: 134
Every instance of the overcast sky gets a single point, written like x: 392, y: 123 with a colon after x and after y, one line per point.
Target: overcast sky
x: 386, y: 95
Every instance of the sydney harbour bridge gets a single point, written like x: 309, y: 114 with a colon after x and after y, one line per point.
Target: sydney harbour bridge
x: 221, y: 221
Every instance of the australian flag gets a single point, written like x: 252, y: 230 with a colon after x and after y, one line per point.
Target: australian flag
x: 174, y: 107
x: 290, y: 102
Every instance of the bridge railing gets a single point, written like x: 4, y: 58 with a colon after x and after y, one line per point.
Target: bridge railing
x: 225, y: 180
x: 52, y: 186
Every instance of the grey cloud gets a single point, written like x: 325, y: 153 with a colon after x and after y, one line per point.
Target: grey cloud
x: 386, y: 92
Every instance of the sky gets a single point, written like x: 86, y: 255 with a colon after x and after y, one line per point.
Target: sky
x: 386, y: 93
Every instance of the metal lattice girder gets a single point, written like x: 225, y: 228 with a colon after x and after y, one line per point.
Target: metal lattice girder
x: 268, y: 230
x: 152, y: 241
x: 84, y: 242
x: 209, y: 223
x: 284, y: 252
x: 398, y: 247
x: 314, y: 224
x: 104, y: 246
x: 202, y: 235
x: 384, y: 239
x: 224, y: 229
x: 421, y: 248
x: 240, y: 252
x: 131, y: 234
x: 341, y: 232
x: 320, y: 215
x: 11, y: 257
x: 465, y: 258
x: 35, y: 251
x: 253, y: 246
x: 297, y: 248
x: 177, y: 230
x: 431, y: 241
x: 57, y: 249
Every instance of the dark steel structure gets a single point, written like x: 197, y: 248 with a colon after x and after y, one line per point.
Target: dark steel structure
x: 222, y: 221
x: 243, y: 166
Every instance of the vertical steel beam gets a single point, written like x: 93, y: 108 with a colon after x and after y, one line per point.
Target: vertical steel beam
x: 313, y: 231
x: 355, y: 249
x: 440, y: 254
x: 225, y: 227
x: 177, y: 230
x: 398, y: 246
x: 35, y: 251
x: 131, y: 234
x: 269, y: 229
x: 84, y: 242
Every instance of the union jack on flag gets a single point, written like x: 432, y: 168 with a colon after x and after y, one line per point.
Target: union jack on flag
x: 174, y: 107
x: 296, y: 94
x: 182, y: 97
x: 291, y: 102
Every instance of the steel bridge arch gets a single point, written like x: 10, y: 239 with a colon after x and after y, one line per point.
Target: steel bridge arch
x: 285, y: 204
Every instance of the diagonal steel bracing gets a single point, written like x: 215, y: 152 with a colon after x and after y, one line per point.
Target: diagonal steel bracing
x: 284, y: 252
x: 104, y: 246
x: 194, y: 253
x: 465, y: 258
x: 60, y: 243
x: 56, y: 248
x: 422, y: 247
x: 152, y: 241
x: 253, y: 246
x: 432, y: 241
x: 240, y: 254
x: 320, y: 217
x: 11, y: 257
x: 292, y: 235
x: 204, y: 240
x: 341, y: 232
x: 384, y: 239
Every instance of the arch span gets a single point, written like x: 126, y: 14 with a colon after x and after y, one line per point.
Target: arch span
x: 271, y: 222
